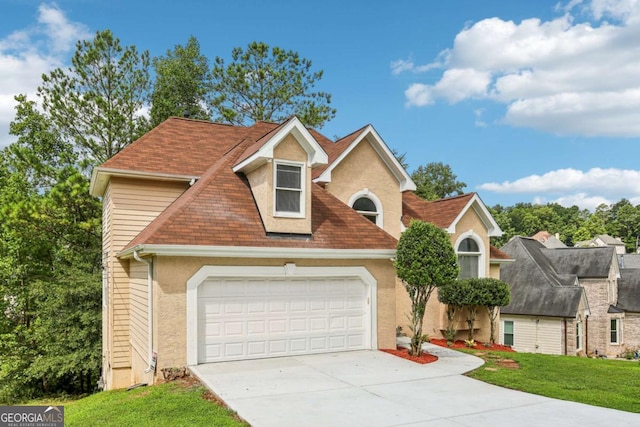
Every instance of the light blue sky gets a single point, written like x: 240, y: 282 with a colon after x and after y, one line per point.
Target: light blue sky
x: 527, y: 101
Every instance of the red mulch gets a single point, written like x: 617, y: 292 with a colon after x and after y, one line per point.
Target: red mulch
x: 404, y: 353
x: 479, y: 346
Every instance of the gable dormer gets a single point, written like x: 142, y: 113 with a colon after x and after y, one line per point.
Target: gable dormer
x: 365, y: 175
x: 278, y: 168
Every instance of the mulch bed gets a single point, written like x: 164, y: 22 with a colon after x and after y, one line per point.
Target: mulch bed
x: 404, y: 353
x: 479, y: 345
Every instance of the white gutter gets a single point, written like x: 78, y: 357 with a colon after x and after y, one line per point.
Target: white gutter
x: 149, y: 307
x: 256, y: 252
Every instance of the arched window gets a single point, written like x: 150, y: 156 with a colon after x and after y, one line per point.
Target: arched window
x: 366, y: 203
x: 366, y: 207
x: 469, y: 258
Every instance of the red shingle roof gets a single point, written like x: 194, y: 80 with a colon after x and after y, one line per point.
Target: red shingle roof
x: 495, y: 253
x: 180, y: 146
x: 333, y: 149
x: 219, y: 209
x: 438, y: 212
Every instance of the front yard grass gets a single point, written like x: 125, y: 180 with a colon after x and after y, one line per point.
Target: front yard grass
x: 176, y: 403
x: 601, y: 382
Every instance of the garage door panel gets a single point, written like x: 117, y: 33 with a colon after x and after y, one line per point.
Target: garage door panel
x: 244, y: 319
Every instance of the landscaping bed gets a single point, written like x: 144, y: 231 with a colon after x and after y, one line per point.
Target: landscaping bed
x: 478, y: 345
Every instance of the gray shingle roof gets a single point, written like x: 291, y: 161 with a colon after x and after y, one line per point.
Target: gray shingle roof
x: 629, y: 260
x: 629, y: 290
x: 536, y: 288
x: 583, y: 262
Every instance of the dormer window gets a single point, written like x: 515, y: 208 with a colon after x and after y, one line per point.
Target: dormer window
x: 289, y: 189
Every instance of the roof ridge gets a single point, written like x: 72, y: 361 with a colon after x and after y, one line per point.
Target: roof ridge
x: 554, y: 281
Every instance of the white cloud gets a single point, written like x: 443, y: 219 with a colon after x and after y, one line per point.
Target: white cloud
x: 570, y: 187
x: 582, y: 200
x: 455, y: 85
x: 27, y: 53
x: 560, y: 76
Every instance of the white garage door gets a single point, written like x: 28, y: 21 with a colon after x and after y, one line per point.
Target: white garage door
x: 259, y: 318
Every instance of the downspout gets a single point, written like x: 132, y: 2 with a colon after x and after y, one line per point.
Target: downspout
x: 149, y: 306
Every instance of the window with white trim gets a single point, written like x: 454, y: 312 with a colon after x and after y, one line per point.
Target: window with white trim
x: 469, y: 258
x: 289, y: 189
x: 367, y: 204
x: 616, y: 329
x: 507, y: 332
x: 366, y: 207
x: 578, y: 334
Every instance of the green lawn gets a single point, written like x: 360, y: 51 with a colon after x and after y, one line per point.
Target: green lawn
x: 170, y: 404
x: 601, y: 382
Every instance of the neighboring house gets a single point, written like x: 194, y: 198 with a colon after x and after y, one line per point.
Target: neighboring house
x: 226, y: 243
x: 565, y: 300
x: 549, y: 240
x: 603, y: 240
x: 629, y: 302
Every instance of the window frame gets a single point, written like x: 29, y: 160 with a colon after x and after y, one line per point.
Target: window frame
x: 578, y: 334
x: 504, y: 332
x: 366, y: 193
x: 617, y: 331
x: 481, y: 254
x: 302, y: 190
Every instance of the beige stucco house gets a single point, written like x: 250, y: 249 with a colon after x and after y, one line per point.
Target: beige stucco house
x: 225, y: 243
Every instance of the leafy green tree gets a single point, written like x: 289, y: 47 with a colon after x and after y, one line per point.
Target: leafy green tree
x: 625, y: 223
x: 183, y: 81
x: 436, y: 180
x: 97, y: 103
x: 425, y: 260
x: 590, y: 228
x: 453, y: 295
x: 49, y: 264
x: 272, y: 84
x: 494, y: 294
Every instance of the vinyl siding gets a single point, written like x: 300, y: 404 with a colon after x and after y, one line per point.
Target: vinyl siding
x: 130, y: 205
x: 139, y: 308
x: 534, y: 335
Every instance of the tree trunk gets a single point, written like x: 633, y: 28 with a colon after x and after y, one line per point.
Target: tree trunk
x: 471, y: 319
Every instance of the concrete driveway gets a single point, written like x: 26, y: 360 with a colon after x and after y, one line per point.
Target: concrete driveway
x: 372, y: 388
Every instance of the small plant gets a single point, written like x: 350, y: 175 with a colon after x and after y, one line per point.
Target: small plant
x: 629, y: 353
x: 399, y: 332
x: 470, y: 343
x: 450, y: 334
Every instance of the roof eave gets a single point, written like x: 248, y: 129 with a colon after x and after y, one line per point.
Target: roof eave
x: 100, y: 178
x: 405, y: 181
x: 493, y: 229
x: 315, y: 154
x: 255, y: 252
x: 501, y: 261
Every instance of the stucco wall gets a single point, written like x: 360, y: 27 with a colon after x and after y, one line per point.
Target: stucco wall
x: 172, y: 273
x: 362, y: 170
x: 262, y: 187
